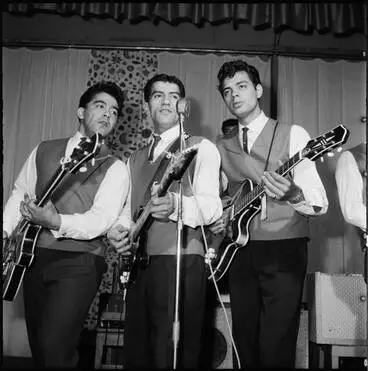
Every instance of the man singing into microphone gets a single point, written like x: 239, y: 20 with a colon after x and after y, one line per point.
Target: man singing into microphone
x: 148, y: 336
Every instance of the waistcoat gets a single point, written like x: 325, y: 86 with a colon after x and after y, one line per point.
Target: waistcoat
x: 282, y: 220
x: 360, y: 155
x: 161, y: 236
x: 74, y: 195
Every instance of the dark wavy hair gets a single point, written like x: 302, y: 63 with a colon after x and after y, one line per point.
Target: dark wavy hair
x: 229, y: 69
x: 107, y: 87
x: 163, y: 77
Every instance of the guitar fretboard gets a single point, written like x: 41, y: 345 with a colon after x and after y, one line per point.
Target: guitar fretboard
x: 258, y: 190
x: 43, y: 198
x: 174, y: 171
x: 140, y: 222
x: 143, y: 217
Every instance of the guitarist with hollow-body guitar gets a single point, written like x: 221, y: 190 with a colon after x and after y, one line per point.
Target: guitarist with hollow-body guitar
x: 63, y: 278
x: 266, y: 276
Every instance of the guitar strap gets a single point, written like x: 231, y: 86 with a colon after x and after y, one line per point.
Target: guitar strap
x: 263, y: 200
x: 83, y: 177
x: 269, y: 150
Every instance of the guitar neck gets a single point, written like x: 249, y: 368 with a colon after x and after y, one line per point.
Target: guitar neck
x: 173, y: 172
x: 258, y: 190
x: 50, y: 187
x: 86, y: 149
x: 44, y: 197
x: 145, y: 214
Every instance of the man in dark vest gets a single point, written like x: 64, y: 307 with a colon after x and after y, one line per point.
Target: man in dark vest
x: 148, y: 336
x: 266, y: 276
x: 64, y: 277
x: 351, y: 181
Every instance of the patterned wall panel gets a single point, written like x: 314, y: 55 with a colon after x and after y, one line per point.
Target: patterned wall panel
x: 130, y: 70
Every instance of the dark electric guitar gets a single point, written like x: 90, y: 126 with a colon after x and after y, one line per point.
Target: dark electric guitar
x: 18, y: 249
x: 240, y: 209
x: 128, y: 264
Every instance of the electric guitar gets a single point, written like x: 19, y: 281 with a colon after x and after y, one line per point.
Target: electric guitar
x: 240, y: 209
x: 18, y: 249
x: 128, y: 264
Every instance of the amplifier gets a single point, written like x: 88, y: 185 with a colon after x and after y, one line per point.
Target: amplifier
x: 222, y: 356
x: 217, y: 352
x: 338, y: 308
x: 218, y: 345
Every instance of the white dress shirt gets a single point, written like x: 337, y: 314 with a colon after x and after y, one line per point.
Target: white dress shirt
x: 350, y: 189
x: 305, y: 174
x: 107, y: 204
x: 205, y: 207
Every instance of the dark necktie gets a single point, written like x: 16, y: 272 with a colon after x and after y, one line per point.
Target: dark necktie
x: 156, y: 139
x: 245, y: 140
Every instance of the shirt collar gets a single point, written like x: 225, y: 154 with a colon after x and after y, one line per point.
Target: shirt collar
x: 75, y: 139
x: 257, y: 125
x: 170, y: 134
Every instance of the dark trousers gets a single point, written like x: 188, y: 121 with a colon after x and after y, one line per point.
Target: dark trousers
x: 266, y: 285
x: 58, y: 291
x: 148, y: 337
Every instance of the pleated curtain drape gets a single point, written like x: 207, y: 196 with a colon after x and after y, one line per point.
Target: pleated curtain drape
x: 337, y: 18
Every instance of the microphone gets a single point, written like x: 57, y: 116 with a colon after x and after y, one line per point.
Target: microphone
x: 183, y: 107
x: 183, y: 110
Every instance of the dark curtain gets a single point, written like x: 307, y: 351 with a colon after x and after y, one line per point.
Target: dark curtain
x: 336, y: 18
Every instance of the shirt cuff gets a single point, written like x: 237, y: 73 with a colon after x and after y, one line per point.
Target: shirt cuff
x: 174, y: 215
x: 312, y: 199
x: 63, y: 230
x: 299, y: 206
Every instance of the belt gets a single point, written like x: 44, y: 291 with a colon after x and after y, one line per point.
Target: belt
x: 143, y: 261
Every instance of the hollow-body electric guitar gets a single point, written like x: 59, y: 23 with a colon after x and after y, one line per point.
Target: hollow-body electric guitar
x: 128, y: 264
x: 241, y: 208
x: 19, y: 248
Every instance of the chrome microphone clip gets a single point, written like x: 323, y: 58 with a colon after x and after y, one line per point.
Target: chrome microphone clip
x: 183, y: 107
x: 183, y: 110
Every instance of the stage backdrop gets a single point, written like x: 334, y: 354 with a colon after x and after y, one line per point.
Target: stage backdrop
x: 41, y: 89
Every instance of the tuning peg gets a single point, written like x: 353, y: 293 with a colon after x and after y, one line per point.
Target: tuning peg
x: 339, y: 149
x: 88, y: 140
x: 322, y: 159
x: 93, y: 161
x: 83, y: 169
x: 330, y: 154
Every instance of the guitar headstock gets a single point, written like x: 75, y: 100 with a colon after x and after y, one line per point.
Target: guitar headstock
x: 86, y: 149
x: 180, y: 162
x: 324, y: 144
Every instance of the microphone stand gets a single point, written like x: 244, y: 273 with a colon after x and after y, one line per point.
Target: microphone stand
x: 365, y: 257
x: 176, y: 323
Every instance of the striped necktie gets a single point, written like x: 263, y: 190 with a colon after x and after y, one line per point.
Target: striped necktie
x: 156, y: 139
x: 245, y: 140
